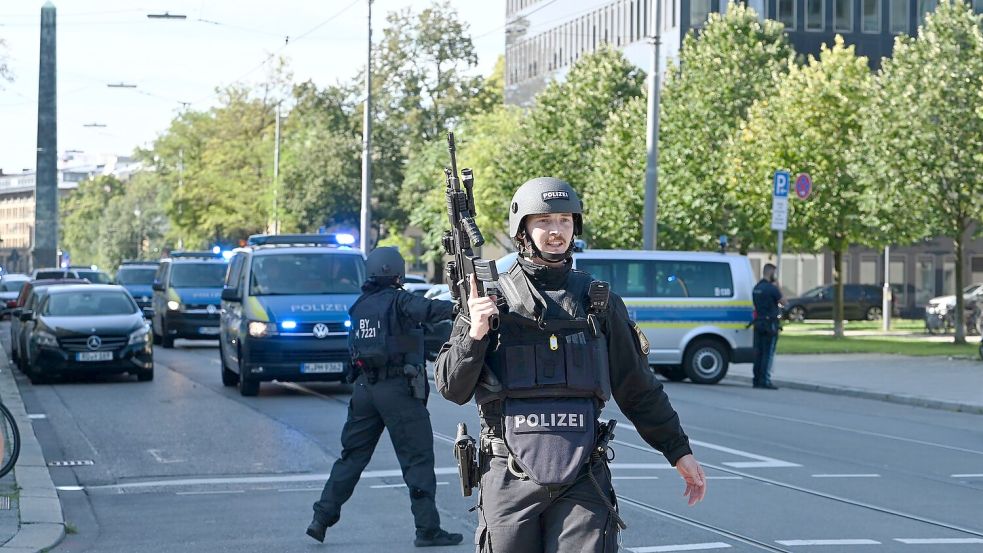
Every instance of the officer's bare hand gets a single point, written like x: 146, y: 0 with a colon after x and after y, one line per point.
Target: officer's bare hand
x: 696, y: 483
x: 481, y: 310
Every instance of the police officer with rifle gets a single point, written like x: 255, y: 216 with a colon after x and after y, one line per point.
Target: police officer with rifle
x: 390, y: 392
x: 541, y: 356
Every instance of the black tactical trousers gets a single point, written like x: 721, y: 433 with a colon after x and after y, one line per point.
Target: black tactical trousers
x: 386, y: 404
x: 520, y: 516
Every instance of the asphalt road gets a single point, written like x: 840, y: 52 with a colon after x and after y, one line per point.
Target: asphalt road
x: 184, y: 464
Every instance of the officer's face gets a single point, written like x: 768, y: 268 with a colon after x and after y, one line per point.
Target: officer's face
x: 551, y: 232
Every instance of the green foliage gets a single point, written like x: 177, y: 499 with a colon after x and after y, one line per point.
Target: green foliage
x: 924, y: 134
x: 82, y: 216
x: 733, y: 62
x: 403, y: 243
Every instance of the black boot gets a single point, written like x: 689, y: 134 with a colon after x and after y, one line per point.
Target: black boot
x: 436, y: 538
x: 317, y: 529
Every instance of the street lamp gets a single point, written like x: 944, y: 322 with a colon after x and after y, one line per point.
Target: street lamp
x: 166, y: 15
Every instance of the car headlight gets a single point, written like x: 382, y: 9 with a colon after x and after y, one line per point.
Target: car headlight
x: 173, y: 305
x: 258, y: 329
x: 139, y: 336
x: 45, y: 339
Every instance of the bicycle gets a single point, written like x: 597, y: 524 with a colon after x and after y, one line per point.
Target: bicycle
x: 10, y: 442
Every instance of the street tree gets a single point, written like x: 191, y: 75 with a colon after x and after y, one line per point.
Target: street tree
x: 813, y: 125
x: 735, y: 60
x: 82, y: 214
x: 924, y: 135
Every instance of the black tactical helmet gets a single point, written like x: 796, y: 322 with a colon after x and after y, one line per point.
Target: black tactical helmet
x: 544, y: 195
x: 385, y: 262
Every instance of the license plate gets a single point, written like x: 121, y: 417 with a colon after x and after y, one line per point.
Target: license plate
x: 322, y: 368
x: 94, y: 356
x: 209, y: 330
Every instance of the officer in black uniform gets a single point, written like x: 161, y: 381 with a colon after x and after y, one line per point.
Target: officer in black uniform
x: 391, y: 389
x: 767, y: 310
x: 563, y: 347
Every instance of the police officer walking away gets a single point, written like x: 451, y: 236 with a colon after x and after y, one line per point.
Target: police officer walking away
x: 391, y: 388
x: 563, y: 347
x: 767, y: 310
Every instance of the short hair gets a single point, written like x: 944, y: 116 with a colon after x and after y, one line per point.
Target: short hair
x: 768, y: 270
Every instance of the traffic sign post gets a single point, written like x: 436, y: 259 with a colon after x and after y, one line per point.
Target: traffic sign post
x: 803, y: 186
x: 779, y: 212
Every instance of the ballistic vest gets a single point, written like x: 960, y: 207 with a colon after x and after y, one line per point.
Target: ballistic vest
x: 378, y: 338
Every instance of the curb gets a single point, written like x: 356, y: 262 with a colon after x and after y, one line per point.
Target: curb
x: 903, y: 399
x: 42, y: 523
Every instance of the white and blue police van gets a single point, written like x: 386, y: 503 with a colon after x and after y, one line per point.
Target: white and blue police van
x: 693, y: 307
x: 285, y: 309
x: 185, y: 300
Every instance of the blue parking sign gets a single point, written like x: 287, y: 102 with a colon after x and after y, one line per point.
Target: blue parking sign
x: 781, y: 184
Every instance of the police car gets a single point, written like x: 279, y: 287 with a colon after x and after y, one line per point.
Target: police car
x: 138, y: 279
x: 285, y: 309
x: 187, y: 290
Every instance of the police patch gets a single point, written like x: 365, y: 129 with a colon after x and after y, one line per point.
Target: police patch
x: 556, y: 195
x: 643, y: 342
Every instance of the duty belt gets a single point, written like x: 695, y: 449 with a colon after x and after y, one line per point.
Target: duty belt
x: 491, y: 445
x: 385, y: 373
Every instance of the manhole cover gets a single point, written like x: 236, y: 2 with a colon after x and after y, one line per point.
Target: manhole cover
x: 72, y: 463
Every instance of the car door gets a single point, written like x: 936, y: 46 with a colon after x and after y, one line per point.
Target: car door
x: 853, y: 305
x: 821, y: 306
x: 231, y: 313
x: 159, y: 300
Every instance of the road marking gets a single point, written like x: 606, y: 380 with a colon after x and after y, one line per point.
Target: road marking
x: 682, y: 547
x: 36, y: 416
x: 792, y: 543
x: 220, y: 492
x: 967, y: 475
x: 846, y: 475
x: 380, y: 486
x: 319, y: 477
x: 634, y: 478
x: 938, y: 541
x: 69, y: 488
x: 760, y: 460
x: 156, y: 453
x: 288, y: 490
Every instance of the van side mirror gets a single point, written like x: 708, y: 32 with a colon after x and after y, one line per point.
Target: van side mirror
x: 231, y: 294
x: 158, y: 286
x: 26, y: 315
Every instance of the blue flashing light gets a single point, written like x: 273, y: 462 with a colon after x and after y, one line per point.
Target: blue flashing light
x: 217, y: 250
x: 344, y: 239
x: 227, y: 255
x: 288, y: 325
x: 671, y: 278
x: 348, y: 324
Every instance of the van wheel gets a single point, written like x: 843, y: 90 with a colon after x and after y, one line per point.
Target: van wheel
x: 145, y: 375
x: 229, y: 377
x: 167, y: 341
x: 247, y: 386
x: 672, y: 373
x: 873, y: 313
x: 705, y: 361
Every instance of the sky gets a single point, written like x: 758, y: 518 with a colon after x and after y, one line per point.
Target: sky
x: 173, y: 61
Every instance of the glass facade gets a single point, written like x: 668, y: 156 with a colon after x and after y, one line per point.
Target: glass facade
x: 898, y: 16
x: 871, y: 22
x: 843, y: 16
x: 815, y: 13
x: 786, y: 13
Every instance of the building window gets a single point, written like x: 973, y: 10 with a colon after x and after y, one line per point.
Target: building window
x: 843, y: 16
x: 868, y: 271
x: 948, y: 277
x: 899, y: 280
x: 924, y: 7
x: 978, y: 6
x: 899, y: 16
x: 786, y: 13
x: 815, y: 10
x: 924, y: 280
x: 871, y: 22
x: 699, y: 10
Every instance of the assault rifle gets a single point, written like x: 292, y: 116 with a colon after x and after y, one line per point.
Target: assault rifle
x: 462, y: 237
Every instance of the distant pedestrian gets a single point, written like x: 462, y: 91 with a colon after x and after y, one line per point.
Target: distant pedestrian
x: 767, y: 311
x: 391, y: 390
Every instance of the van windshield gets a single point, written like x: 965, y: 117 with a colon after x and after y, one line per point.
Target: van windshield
x: 306, y: 274
x: 135, y: 276
x: 197, y: 275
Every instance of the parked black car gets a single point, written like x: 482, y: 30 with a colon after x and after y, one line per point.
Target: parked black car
x: 860, y: 302
x: 87, y: 329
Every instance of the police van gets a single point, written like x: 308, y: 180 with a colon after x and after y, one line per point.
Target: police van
x: 694, y: 307
x: 186, y: 297
x: 285, y: 309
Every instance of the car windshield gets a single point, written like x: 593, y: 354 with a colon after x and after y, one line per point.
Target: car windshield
x: 12, y: 285
x: 306, y: 273
x: 971, y: 289
x: 88, y: 304
x: 198, y: 275
x: 135, y: 276
x: 47, y: 275
x: 95, y: 277
x: 814, y: 292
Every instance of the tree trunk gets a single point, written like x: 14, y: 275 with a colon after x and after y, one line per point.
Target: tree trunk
x: 958, y: 242
x: 838, y: 291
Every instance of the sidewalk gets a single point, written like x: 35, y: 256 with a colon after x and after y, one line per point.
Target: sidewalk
x: 939, y: 383
x: 34, y: 521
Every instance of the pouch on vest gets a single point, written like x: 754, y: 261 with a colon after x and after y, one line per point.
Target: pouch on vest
x: 550, y: 439
x: 370, y: 333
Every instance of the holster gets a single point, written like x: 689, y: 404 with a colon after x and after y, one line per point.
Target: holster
x: 466, y: 453
x: 417, y: 376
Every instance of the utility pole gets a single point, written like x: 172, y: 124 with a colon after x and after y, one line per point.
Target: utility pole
x: 276, y: 173
x: 366, y: 225
x: 45, y: 244
x: 650, y: 217
x: 886, y: 300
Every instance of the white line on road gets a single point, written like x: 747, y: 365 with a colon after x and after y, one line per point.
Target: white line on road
x: 846, y: 475
x: 938, y: 541
x: 156, y: 453
x: 380, y: 486
x: 36, y: 416
x: 792, y: 543
x: 760, y: 460
x: 967, y: 475
x: 681, y: 547
x: 211, y: 493
x: 69, y: 488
